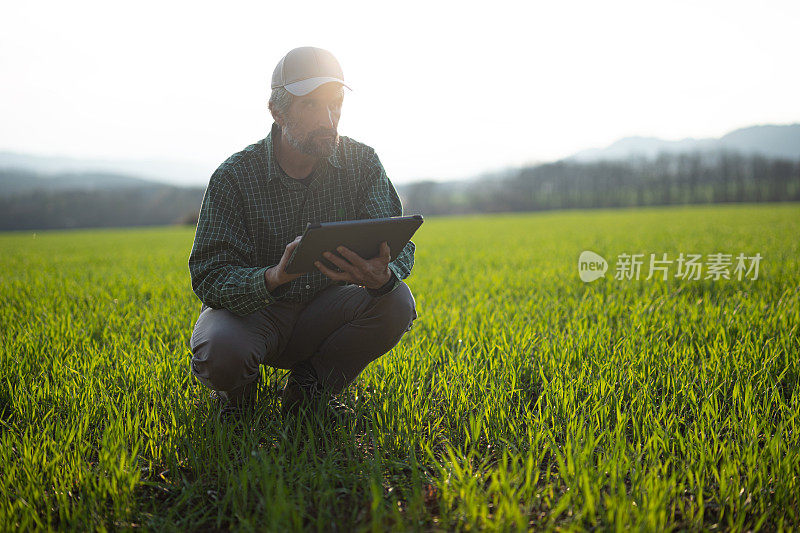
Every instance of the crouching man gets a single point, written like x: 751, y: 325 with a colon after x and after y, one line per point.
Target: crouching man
x: 325, y: 326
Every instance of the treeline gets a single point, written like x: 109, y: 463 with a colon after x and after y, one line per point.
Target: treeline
x: 131, y: 206
x: 29, y: 201
x: 667, y: 179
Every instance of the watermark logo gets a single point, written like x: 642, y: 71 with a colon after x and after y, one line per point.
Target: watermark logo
x: 591, y: 266
x: 717, y: 266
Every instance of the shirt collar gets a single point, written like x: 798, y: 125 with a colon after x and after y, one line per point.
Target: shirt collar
x: 272, y: 163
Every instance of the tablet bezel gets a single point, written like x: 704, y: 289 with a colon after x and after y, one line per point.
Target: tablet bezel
x: 357, y: 235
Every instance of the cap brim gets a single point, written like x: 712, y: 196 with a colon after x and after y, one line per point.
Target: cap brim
x: 303, y: 87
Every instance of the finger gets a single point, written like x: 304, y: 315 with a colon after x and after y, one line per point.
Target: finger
x: 386, y: 253
x: 292, y: 245
x: 336, y: 276
x: 341, y: 263
x: 351, y: 256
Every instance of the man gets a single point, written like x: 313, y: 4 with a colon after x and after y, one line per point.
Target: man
x: 325, y: 326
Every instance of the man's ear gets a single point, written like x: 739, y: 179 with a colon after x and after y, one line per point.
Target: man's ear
x: 277, y: 117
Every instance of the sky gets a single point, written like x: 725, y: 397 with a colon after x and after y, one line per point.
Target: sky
x: 440, y: 90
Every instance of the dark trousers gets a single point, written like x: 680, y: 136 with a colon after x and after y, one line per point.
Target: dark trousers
x: 340, y: 332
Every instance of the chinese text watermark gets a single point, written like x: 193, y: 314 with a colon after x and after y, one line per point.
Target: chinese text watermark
x: 716, y: 266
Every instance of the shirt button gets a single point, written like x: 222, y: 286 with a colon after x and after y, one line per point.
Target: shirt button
x: 308, y: 286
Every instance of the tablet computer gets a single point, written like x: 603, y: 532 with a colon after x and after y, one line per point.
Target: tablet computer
x: 364, y: 237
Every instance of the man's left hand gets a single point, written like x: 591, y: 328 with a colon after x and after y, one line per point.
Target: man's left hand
x: 370, y: 273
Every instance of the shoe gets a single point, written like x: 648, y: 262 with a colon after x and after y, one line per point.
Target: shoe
x: 231, y: 406
x: 304, y: 392
x: 302, y: 389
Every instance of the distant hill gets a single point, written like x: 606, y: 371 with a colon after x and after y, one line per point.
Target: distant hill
x: 771, y: 141
x: 160, y: 170
x: 133, y: 206
x: 18, y: 181
x: 29, y: 200
x: 756, y: 164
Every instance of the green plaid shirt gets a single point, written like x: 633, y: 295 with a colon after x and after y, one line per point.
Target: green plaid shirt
x: 251, y: 210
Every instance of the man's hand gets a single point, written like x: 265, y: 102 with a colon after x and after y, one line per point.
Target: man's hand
x: 370, y: 273
x: 277, y: 276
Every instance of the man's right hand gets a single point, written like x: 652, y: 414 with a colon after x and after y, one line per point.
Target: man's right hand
x: 277, y: 276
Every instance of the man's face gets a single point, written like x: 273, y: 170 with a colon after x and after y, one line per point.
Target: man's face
x: 311, y: 124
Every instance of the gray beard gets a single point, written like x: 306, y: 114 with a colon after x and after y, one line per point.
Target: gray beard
x: 312, y: 146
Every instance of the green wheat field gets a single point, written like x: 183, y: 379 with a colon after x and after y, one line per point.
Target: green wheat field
x: 522, y: 398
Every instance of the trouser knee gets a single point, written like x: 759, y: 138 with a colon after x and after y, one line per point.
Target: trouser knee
x: 393, y: 315
x: 374, y: 331
x: 222, y: 361
x: 397, y: 311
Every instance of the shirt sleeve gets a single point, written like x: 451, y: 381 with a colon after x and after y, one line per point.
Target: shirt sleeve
x: 221, y: 261
x: 381, y: 200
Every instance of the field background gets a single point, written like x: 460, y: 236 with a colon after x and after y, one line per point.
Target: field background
x: 521, y: 398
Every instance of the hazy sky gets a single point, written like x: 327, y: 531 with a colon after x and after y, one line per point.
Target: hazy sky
x: 441, y: 90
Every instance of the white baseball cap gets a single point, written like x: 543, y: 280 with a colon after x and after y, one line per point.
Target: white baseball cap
x: 304, y: 69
